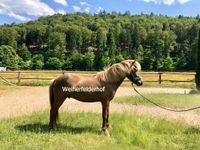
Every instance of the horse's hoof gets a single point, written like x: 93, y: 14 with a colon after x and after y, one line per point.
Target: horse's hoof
x: 106, y: 132
x: 109, y: 127
x: 50, y: 129
x: 53, y: 128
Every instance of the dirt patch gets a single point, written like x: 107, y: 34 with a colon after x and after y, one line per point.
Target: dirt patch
x: 33, y: 99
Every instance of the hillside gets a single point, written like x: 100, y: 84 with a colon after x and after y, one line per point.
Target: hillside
x: 90, y: 42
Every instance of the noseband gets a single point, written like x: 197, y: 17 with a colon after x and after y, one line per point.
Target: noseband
x: 133, y: 76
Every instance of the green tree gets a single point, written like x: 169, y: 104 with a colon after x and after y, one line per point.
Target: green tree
x: 125, y: 42
x: 24, y: 53
x: 67, y: 64
x: 101, y: 39
x: 88, y: 61
x: 86, y: 38
x: 8, y: 57
x: 24, y: 65
x: 8, y: 36
x: 197, y: 76
x: 101, y: 45
x: 37, y: 62
x: 54, y: 63
x: 21, y: 39
x: 118, y: 58
x: 76, y: 59
x: 167, y: 64
x: 111, y: 43
x: 153, y: 40
x: 105, y: 60
x: 56, y: 46
x: 74, y: 38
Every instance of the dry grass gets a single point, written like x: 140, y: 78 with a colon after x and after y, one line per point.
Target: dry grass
x: 169, y: 79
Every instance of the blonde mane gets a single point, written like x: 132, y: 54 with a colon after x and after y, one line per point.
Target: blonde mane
x: 117, y: 71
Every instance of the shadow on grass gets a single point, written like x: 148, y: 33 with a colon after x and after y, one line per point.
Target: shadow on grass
x: 192, y: 130
x: 44, y: 128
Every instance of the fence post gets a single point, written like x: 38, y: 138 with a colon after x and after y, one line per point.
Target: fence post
x: 63, y: 72
x: 19, y: 78
x: 160, y: 77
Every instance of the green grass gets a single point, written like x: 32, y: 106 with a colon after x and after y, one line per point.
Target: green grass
x: 81, y: 131
x: 169, y: 100
x: 164, y: 84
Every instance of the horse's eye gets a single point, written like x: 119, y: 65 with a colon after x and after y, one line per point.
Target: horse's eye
x: 135, y: 69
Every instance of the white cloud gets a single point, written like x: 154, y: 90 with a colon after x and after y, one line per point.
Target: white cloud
x: 76, y: 8
x: 13, y: 15
x: 85, y: 4
x: 183, y: 1
x: 61, y: 11
x: 62, y: 2
x: 18, y: 9
x: 99, y: 9
x: 167, y: 2
x: 18, y: 17
x: 87, y: 9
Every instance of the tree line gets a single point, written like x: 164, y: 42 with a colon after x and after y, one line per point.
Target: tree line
x: 92, y: 41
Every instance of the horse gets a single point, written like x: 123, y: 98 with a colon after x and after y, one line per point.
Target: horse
x: 97, y: 88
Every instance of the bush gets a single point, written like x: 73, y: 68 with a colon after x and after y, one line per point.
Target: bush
x: 76, y: 59
x: 168, y: 64
x: 8, y: 57
x: 54, y: 63
x: 37, y: 62
x: 87, y: 62
x: 67, y: 65
x: 24, y: 65
x: 24, y: 53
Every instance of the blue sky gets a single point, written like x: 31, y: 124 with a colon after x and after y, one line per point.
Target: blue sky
x: 24, y: 10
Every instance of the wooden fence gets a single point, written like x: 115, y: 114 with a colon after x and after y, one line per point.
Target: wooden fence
x: 158, y: 77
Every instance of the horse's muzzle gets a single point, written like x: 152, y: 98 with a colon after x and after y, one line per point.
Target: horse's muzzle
x: 139, y: 83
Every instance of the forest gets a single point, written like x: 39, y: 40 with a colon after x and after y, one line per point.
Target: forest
x: 83, y: 41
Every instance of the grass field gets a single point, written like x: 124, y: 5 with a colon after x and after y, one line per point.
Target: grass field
x: 168, y: 100
x: 81, y: 131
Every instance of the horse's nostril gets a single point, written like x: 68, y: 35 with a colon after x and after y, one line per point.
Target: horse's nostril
x: 139, y: 83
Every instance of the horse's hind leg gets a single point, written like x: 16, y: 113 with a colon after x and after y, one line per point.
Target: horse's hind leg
x: 54, y: 112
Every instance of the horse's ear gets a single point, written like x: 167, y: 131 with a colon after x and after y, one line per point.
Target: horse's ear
x: 110, y: 64
x: 132, y: 63
x: 134, y: 66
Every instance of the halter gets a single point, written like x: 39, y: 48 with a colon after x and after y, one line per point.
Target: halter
x: 133, y: 76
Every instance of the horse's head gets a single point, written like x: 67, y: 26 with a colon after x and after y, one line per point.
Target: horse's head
x: 133, y: 75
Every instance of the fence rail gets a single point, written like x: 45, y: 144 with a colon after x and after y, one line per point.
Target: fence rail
x: 158, y: 77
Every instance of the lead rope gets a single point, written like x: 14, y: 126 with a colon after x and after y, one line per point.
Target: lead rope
x: 163, y: 107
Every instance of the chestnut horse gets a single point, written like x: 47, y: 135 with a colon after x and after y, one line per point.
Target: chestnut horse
x: 98, y: 88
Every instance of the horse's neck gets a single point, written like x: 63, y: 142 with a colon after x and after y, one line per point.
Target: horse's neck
x: 117, y: 84
x: 112, y: 78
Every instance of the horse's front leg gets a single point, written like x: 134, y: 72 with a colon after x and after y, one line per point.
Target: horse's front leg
x: 105, y: 116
